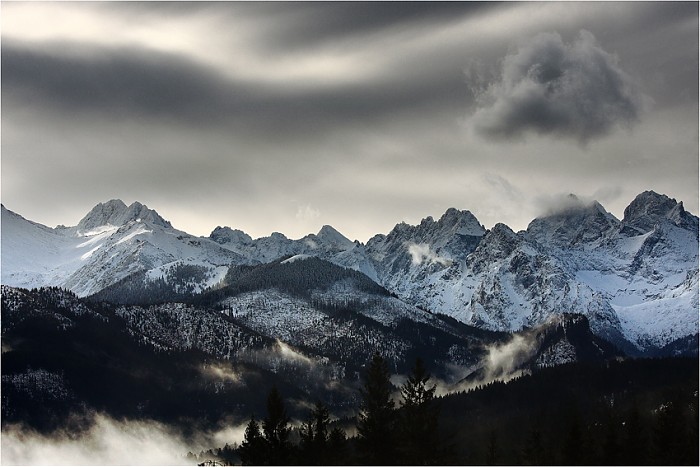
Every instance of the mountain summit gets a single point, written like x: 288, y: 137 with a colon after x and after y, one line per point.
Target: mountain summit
x: 575, y: 223
x: 635, y: 280
x: 650, y: 208
x: 115, y: 213
x: 330, y: 236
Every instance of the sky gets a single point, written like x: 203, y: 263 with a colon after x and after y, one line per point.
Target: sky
x: 288, y: 116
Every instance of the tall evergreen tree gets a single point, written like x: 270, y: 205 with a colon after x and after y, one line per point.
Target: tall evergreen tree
x: 376, y: 440
x: 337, y: 448
x: 276, y: 429
x: 314, y: 437
x: 253, y: 449
x: 419, y: 419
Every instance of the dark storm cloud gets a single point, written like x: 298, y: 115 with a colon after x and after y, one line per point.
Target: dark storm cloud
x: 575, y: 90
x: 113, y: 83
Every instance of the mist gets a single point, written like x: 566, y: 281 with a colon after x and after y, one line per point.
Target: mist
x: 422, y: 252
x: 110, y: 442
x: 501, y: 362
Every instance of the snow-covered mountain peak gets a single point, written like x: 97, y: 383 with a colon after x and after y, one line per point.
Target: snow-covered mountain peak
x: 626, y: 277
x: 575, y: 222
x: 116, y: 213
x: 462, y: 223
x: 223, y: 235
x: 498, y: 242
x: 683, y: 219
x: 277, y: 236
x: 330, y: 236
x: 440, y: 232
x: 650, y: 208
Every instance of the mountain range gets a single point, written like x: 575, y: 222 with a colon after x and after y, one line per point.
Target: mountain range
x: 635, y: 280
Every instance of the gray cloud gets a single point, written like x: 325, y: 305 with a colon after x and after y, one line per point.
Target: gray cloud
x: 309, y: 24
x: 114, y: 82
x: 575, y: 90
x: 126, y: 83
x: 243, y: 113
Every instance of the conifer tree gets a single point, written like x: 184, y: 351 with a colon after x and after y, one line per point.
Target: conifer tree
x: 337, y: 447
x: 276, y: 429
x: 419, y: 418
x: 376, y: 421
x: 314, y: 437
x: 253, y: 449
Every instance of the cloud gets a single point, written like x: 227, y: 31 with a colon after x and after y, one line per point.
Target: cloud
x: 503, y: 361
x: 316, y: 23
x: 307, y: 213
x: 222, y: 373
x: 290, y: 354
x: 500, y: 362
x: 557, y: 203
x: 238, y: 113
x: 127, y: 83
x: 421, y: 252
x: 501, y: 185
x: 108, y: 442
x: 607, y: 194
x: 549, y: 87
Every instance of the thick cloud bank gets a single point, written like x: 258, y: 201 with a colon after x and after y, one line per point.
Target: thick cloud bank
x: 575, y: 90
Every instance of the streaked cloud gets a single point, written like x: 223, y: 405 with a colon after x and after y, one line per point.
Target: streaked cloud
x: 240, y: 113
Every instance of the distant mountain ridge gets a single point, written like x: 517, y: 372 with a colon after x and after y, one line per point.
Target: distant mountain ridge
x: 635, y: 279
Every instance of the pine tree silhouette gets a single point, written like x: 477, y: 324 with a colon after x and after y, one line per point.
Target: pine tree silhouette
x: 253, y: 450
x: 337, y: 448
x: 419, y: 419
x: 376, y: 440
x: 314, y: 437
x: 276, y: 429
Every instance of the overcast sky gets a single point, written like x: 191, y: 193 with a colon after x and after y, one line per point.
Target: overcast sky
x: 288, y: 116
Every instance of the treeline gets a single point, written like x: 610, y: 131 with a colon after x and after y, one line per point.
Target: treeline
x: 637, y: 412
x: 631, y: 412
x: 178, y: 283
x: 298, y: 278
x: 386, y: 434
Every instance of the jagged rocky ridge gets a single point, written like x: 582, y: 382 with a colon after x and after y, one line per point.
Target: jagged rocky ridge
x: 635, y: 280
